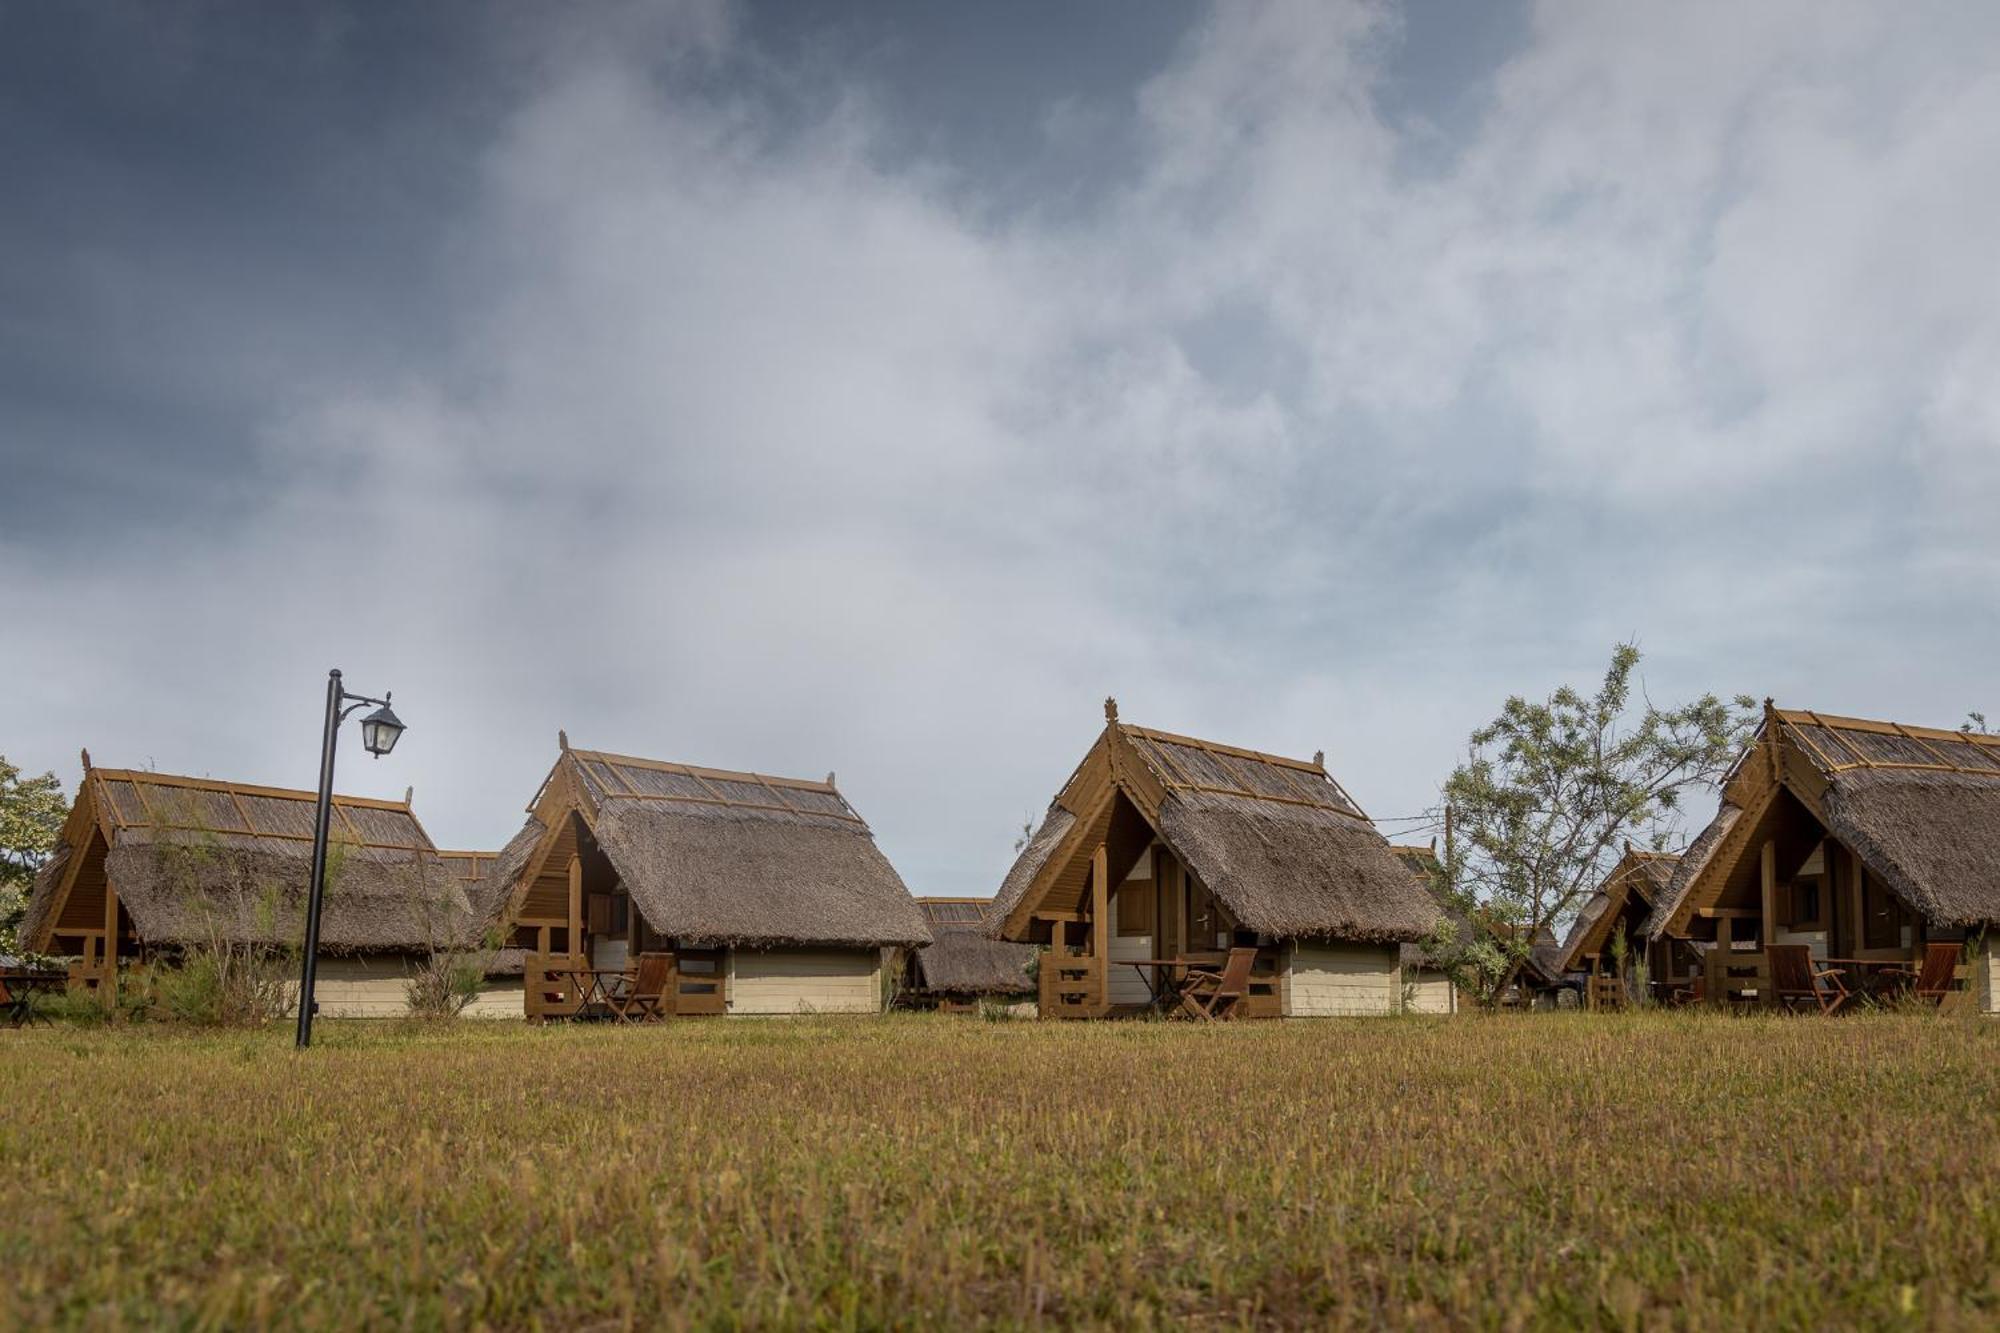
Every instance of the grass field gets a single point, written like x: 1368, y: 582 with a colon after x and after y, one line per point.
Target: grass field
x: 1522, y: 1171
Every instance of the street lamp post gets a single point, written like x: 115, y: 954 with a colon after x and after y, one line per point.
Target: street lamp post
x: 379, y: 731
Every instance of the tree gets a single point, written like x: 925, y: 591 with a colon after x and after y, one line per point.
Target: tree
x: 1974, y: 725
x: 32, y: 811
x: 1548, y: 797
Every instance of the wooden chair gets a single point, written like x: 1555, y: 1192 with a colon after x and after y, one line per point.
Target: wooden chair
x: 1795, y: 979
x: 644, y: 1001
x: 1934, y: 979
x: 1212, y: 995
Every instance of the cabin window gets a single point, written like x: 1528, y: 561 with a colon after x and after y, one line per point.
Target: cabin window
x: 1135, y: 907
x: 600, y: 914
x: 621, y: 914
x: 1808, y: 904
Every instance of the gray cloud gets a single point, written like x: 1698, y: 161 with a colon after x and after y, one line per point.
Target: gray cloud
x: 700, y: 383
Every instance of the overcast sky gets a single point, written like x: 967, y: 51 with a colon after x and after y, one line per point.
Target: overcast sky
x: 877, y: 388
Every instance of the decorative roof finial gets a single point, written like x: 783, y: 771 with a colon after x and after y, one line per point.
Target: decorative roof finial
x: 86, y: 760
x: 1110, y: 709
x: 1319, y: 758
x: 409, y: 797
x: 562, y: 738
x: 829, y: 777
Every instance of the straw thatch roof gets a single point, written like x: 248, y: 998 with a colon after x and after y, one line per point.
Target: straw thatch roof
x: 194, y: 859
x: 1633, y: 886
x: 1920, y: 806
x: 712, y: 856
x: 961, y: 960
x: 1282, y: 847
x: 1692, y: 863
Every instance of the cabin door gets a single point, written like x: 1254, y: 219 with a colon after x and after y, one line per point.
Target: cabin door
x: 1168, y: 911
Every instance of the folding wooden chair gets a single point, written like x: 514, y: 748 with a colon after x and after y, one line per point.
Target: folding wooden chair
x: 644, y: 1001
x: 1935, y: 979
x: 1795, y: 979
x: 1212, y: 995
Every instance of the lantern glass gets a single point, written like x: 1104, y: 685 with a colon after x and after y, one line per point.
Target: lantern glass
x: 379, y: 731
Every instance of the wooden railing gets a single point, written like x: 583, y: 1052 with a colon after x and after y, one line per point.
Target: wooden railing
x: 1604, y: 993
x: 1733, y: 975
x: 1072, y: 985
x: 549, y: 996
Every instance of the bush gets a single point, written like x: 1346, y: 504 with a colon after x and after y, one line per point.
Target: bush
x: 445, y: 984
x: 224, y: 985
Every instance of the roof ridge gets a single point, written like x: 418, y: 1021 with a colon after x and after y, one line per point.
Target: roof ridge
x: 227, y: 786
x: 703, y: 770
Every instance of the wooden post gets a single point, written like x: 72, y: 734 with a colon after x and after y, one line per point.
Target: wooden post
x: 576, y: 907
x: 1100, y: 921
x: 110, y: 985
x: 1767, y: 878
x: 1856, y: 898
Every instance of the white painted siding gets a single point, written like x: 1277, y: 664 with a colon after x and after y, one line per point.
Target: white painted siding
x: 792, y: 981
x: 1324, y: 980
x: 500, y: 997
x: 608, y: 955
x: 1991, y: 1003
x: 363, y: 987
x: 1126, y: 984
x: 379, y: 987
x: 1430, y: 993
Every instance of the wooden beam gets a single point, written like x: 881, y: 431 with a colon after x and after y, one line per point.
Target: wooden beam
x: 109, y: 991
x: 576, y: 905
x: 1767, y: 880
x: 1100, y: 920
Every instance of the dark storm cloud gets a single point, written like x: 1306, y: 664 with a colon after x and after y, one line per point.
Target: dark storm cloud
x: 877, y: 388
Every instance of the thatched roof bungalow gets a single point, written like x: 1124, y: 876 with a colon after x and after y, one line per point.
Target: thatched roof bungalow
x: 149, y: 864
x: 770, y: 893
x: 1162, y: 846
x: 963, y: 966
x: 1862, y: 840
x: 1617, y: 910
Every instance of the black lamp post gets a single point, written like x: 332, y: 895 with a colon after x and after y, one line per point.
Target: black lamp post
x: 379, y: 731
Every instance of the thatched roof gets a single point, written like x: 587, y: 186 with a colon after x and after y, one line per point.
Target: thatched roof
x: 1639, y: 878
x: 233, y: 887
x: 1919, y: 805
x: 713, y: 856
x: 961, y: 960
x: 1281, y: 845
x: 198, y: 858
x: 1692, y: 862
x: 40, y: 912
x: 1291, y: 870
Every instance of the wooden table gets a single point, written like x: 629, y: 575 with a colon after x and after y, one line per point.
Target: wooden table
x: 20, y: 989
x: 1168, y: 986
x: 590, y: 985
x: 1858, y: 968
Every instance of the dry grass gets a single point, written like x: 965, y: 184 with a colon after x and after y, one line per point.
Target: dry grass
x: 1524, y: 1171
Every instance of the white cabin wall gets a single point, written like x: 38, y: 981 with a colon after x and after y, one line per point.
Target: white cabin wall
x: 1126, y: 985
x: 1326, y: 980
x: 796, y: 981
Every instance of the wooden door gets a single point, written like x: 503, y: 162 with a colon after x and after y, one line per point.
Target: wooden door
x: 1167, y: 913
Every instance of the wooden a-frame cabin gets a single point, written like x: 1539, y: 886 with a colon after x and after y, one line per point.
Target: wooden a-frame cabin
x: 1165, y: 847
x: 769, y: 894
x: 1619, y: 908
x: 1863, y: 841
x: 150, y: 863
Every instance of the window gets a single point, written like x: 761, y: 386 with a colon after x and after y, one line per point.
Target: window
x: 1808, y: 904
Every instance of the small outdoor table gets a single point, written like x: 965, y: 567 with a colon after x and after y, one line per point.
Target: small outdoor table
x: 17, y: 992
x: 1169, y: 977
x: 1888, y: 974
x: 592, y: 986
